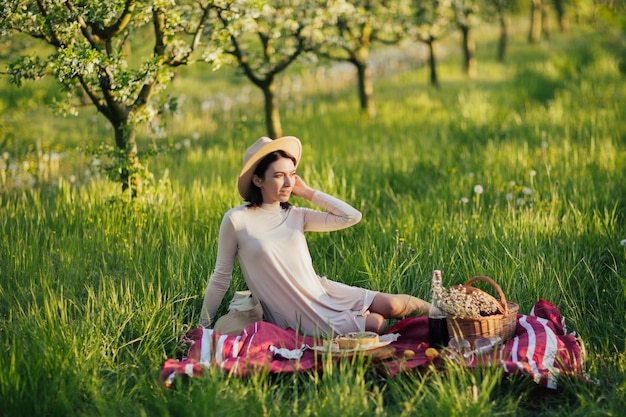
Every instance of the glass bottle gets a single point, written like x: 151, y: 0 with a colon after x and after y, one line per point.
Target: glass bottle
x: 437, y: 324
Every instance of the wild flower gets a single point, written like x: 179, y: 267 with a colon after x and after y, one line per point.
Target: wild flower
x: 623, y: 242
x: 478, y: 189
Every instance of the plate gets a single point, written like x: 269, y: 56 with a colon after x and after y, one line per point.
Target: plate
x: 365, y: 348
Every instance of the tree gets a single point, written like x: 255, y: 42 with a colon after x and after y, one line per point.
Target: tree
x: 538, y: 20
x: 431, y: 22
x: 359, y: 25
x: 91, y: 58
x: 265, y: 39
x: 466, y: 15
x: 559, y: 7
x: 500, y: 10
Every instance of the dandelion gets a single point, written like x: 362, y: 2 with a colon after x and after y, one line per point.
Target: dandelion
x: 623, y: 243
x: 512, y: 184
x: 527, y: 191
x: 464, y: 200
x: 509, y: 196
x: 478, y: 189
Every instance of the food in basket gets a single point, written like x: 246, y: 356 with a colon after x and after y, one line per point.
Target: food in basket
x: 472, y: 313
x: 468, y: 302
x: 354, y: 340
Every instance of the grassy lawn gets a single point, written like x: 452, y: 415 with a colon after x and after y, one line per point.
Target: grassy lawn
x: 518, y: 175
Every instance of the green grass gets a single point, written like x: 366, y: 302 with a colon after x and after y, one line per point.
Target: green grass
x: 94, y: 291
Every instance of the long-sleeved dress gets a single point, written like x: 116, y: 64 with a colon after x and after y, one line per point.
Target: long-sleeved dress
x: 274, y: 257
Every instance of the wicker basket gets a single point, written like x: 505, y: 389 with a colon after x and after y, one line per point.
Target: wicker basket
x: 502, y: 325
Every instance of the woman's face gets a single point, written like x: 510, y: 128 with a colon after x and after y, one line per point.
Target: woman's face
x: 278, y: 183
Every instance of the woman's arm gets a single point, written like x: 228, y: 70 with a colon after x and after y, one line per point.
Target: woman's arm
x: 220, y: 279
x: 337, y: 215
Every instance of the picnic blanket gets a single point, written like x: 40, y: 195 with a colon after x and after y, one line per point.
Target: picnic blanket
x: 540, y: 348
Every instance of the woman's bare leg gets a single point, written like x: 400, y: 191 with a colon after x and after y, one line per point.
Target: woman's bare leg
x: 393, y: 306
x: 374, y: 322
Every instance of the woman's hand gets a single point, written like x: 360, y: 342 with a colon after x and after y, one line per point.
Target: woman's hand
x: 300, y: 189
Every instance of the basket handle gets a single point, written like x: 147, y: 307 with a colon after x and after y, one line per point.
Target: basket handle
x: 505, y: 304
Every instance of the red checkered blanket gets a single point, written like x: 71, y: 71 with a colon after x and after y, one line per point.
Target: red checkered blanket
x: 540, y: 348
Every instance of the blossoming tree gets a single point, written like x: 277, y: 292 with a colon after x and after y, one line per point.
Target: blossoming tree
x: 92, y: 57
x: 466, y: 14
x: 359, y: 25
x: 265, y: 38
x: 431, y: 21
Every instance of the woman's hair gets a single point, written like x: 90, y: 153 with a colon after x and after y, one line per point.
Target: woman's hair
x: 256, y: 197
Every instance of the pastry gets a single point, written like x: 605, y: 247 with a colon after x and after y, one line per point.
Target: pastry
x: 354, y: 340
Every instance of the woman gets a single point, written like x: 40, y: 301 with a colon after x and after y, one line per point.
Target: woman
x: 267, y: 236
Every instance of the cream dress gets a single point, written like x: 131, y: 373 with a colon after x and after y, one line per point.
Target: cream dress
x: 276, y: 264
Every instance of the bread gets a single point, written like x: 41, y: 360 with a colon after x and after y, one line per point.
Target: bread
x: 356, y: 339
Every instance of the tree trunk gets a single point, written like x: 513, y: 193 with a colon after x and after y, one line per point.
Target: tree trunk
x: 504, y: 36
x: 128, y: 159
x: 272, y: 113
x: 545, y: 21
x: 535, y: 21
x: 366, y: 89
x: 559, y: 7
x: 469, y: 49
x: 433, y: 63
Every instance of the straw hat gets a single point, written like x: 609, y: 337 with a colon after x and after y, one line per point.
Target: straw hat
x: 260, y: 149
